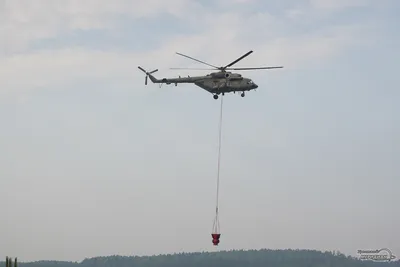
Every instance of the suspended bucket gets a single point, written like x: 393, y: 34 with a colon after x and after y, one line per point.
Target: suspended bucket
x: 215, y: 239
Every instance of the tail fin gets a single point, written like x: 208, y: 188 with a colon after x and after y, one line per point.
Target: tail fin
x: 152, y: 78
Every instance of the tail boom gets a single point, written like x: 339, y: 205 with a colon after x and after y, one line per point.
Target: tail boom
x: 169, y: 80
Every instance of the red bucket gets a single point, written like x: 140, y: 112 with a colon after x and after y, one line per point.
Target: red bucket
x: 215, y: 238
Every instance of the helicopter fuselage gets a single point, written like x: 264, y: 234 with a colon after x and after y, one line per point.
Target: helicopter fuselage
x: 215, y: 83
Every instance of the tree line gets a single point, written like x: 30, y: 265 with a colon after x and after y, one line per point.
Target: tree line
x: 233, y: 258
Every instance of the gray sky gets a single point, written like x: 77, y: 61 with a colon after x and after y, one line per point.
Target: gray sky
x: 94, y: 163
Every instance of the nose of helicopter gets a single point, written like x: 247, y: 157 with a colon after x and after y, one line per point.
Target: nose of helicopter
x: 255, y: 86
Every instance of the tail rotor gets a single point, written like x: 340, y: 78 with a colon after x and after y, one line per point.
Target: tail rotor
x: 147, y: 74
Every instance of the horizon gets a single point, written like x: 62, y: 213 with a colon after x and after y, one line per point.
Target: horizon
x: 93, y: 162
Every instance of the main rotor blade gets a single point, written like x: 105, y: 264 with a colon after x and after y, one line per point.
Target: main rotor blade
x: 259, y: 68
x: 237, y: 60
x: 190, y: 69
x: 196, y: 60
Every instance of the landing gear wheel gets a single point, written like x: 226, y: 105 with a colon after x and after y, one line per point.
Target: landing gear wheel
x: 242, y: 95
x: 215, y: 96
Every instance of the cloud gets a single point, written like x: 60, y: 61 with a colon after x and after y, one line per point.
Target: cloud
x: 338, y: 4
x: 317, y: 11
x: 218, y: 37
x: 26, y: 21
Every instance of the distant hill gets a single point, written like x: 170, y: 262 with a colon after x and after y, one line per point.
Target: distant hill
x: 235, y: 258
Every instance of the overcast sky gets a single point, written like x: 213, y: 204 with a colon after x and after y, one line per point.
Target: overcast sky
x: 93, y: 162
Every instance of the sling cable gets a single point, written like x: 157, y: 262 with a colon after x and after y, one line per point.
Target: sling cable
x: 216, y: 231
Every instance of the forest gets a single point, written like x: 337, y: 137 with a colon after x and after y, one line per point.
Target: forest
x: 233, y: 258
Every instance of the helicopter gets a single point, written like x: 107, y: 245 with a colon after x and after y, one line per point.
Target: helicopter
x: 216, y: 83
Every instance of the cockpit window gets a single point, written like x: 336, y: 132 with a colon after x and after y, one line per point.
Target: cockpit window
x: 250, y: 82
